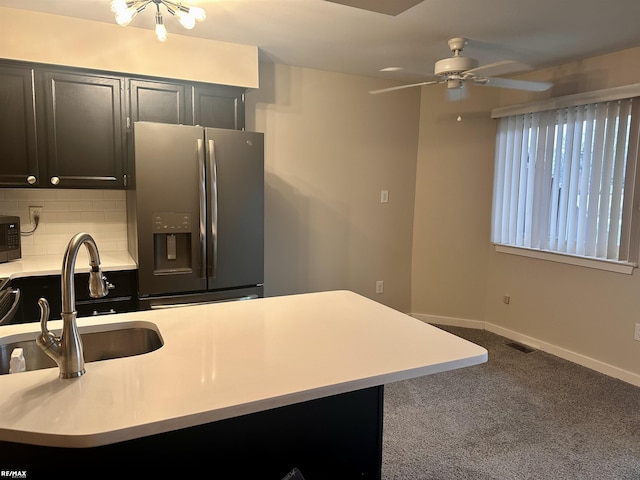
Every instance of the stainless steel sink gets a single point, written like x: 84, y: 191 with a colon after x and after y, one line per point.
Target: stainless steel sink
x: 102, y: 342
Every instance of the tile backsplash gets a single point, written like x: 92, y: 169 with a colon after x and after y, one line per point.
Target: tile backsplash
x: 101, y: 213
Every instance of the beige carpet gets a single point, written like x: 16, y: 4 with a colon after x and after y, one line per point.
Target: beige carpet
x: 519, y: 416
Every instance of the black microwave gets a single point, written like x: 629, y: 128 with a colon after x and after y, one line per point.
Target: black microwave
x: 9, y: 238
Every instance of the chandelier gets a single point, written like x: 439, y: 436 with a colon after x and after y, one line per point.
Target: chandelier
x: 187, y: 16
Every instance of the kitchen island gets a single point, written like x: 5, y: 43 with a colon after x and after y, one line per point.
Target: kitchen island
x: 249, y: 388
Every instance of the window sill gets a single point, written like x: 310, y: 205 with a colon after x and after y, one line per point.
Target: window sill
x: 608, y: 265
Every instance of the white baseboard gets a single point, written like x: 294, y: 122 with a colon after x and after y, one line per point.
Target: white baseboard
x: 451, y: 321
x: 592, y: 363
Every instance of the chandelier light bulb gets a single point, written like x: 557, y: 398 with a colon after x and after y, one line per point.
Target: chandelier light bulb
x: 161, y: 31
x: 118, y: 6
x: 198, y: 13
x: 186, y: 20
x: 124, y: 17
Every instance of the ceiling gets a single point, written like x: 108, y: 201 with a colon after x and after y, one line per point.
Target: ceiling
x: 335, y: 36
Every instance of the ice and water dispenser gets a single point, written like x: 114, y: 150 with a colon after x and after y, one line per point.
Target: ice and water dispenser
x: 172, y: 243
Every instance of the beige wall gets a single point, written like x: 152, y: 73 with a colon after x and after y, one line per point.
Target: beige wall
x: 582, y: 314
x: 45, y: 38
x: 453, y: 204
x: 605, y: 71
x: 330, y: 149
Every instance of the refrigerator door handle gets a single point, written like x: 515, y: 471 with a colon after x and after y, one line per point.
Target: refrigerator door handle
x: 213, y: 190
x: 202, y: 187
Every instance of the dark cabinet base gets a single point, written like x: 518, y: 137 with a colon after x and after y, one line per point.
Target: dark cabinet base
x: 122, y: 298
x: 338, y: 437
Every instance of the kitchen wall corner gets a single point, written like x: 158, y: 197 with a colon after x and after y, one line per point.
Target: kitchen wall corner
x: 330, y: 149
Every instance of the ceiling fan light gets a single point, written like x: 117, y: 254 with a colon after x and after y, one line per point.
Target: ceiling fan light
x: 457, y: 93
x: 453, y: 83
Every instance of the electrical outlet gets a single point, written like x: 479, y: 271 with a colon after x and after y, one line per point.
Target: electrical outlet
x: 379, y: 286
x: 384, y: 196
x: 33, y: 213
x: 506, y: 299
x: 636, y: 335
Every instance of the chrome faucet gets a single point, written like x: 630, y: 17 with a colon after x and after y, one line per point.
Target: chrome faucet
x: 66, y: 349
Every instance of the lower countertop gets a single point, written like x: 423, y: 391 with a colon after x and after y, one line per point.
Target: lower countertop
x: 37, y: 265
x: 224, y: 360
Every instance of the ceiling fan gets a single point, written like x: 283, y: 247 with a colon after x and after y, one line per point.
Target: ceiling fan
x: 457, y: 71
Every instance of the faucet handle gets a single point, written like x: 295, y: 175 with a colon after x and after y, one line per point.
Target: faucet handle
x: 46, y: 340
x: 44, y: 313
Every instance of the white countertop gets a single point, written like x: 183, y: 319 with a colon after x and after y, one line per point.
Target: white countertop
x: 224, y: 360
x: 36, y: 265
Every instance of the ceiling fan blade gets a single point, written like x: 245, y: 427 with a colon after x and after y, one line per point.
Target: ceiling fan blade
x: 517, y: 84
x: 391, y: 89
x: 497, y: 69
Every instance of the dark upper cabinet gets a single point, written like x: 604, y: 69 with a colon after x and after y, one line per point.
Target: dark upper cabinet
x: 18, y: 143
x: 84, y: 119
x: 159, y: 102
x: 71, y: 128
x: 218, y: 107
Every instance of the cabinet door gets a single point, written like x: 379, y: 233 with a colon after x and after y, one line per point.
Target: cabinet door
x: 218, y: 107
x: 159, y: 102
x: 121, y: 297
x: 84, y: 130
x: 18, y: 145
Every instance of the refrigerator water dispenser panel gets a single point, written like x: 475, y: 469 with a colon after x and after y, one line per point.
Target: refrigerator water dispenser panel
x: 172, y: 243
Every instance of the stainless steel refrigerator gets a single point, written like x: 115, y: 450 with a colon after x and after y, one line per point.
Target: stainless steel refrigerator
x: 195, y: 210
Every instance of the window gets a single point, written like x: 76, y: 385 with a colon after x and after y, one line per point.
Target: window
x: 564, y: 180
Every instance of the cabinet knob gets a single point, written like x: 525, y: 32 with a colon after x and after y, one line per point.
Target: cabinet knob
x: 55, y: 180
x: 31, y: 179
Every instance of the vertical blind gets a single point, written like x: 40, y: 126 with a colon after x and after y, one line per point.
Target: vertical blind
x: 559, y: 179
